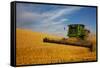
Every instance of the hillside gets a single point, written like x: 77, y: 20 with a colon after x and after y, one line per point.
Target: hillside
x: 30, y: 49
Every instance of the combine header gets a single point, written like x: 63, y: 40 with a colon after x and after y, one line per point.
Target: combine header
x: 75, y: 31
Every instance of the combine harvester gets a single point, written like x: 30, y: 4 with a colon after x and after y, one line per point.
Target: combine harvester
x: 75, y: 31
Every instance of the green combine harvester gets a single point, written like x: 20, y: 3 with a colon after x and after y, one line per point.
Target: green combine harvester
x: 77, y: 31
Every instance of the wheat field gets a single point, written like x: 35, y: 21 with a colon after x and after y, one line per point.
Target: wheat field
x: 30, y: 49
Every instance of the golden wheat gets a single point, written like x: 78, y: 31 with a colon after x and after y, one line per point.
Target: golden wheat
x: 30, y: 49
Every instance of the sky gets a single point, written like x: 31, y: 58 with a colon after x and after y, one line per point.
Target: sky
x: 54, y: 19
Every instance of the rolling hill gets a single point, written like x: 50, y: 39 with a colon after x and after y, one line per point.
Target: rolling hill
x: 30, y: 49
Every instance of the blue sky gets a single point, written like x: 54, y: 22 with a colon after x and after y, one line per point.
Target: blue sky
x: 54, y: 18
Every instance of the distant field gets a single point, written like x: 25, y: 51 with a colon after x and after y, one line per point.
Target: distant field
x: 30, y: 49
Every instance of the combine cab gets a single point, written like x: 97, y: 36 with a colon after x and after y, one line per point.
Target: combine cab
x: 76, y: 30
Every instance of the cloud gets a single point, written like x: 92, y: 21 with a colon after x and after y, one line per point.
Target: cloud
x: 51, y: 21
x: 60, y: 12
